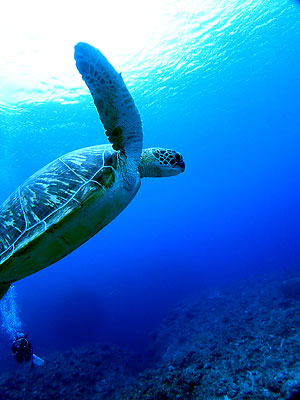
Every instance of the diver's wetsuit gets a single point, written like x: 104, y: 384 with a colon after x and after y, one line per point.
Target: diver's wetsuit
x: 22, y: 349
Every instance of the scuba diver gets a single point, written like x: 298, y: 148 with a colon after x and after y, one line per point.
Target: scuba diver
x: 22, y: 350
x: 11, y: 323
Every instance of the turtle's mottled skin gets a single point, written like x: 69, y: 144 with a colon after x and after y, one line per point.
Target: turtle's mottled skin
x: 69, y: 200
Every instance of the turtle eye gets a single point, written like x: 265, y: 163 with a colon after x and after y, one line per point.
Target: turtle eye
x: 178, y: 157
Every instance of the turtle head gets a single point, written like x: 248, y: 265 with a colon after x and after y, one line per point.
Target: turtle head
x: 157, y: 162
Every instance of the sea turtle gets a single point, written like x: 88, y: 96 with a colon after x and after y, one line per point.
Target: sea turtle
x: 69, y: 200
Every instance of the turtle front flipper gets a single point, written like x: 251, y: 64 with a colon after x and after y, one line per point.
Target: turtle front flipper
x: 113, y: 101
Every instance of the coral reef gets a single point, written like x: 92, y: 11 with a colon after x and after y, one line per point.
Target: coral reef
x: 239, y: 343
x: 93, y: 372
x: 242, y: 344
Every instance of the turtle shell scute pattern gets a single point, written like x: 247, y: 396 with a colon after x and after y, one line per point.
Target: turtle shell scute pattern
x: 52, y: 193
x: 86, y: 191
x: 12, y: 222
x: 105, y: 177
x: 29, y: 235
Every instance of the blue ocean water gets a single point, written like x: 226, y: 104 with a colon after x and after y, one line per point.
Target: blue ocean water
x: 217, y: 81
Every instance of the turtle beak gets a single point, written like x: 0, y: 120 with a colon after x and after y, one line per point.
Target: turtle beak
x: 178, y: 168
x: 181, y: 165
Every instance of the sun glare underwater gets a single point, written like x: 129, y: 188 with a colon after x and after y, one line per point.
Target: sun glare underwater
x: 217, y: 81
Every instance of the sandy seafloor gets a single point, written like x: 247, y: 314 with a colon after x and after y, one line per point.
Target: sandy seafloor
x: 237, y: 342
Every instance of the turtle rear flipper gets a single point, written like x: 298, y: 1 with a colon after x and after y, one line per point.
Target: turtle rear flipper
x: 3, y: 288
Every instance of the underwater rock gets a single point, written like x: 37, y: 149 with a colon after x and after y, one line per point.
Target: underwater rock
x: 295, y: 396
x: 242, y: 344
x: 85, y: 373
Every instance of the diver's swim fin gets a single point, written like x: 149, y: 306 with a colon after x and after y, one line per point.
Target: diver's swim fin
x: 37, y: 361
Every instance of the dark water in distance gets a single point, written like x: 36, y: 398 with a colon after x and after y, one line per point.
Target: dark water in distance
x: 221, y: 85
